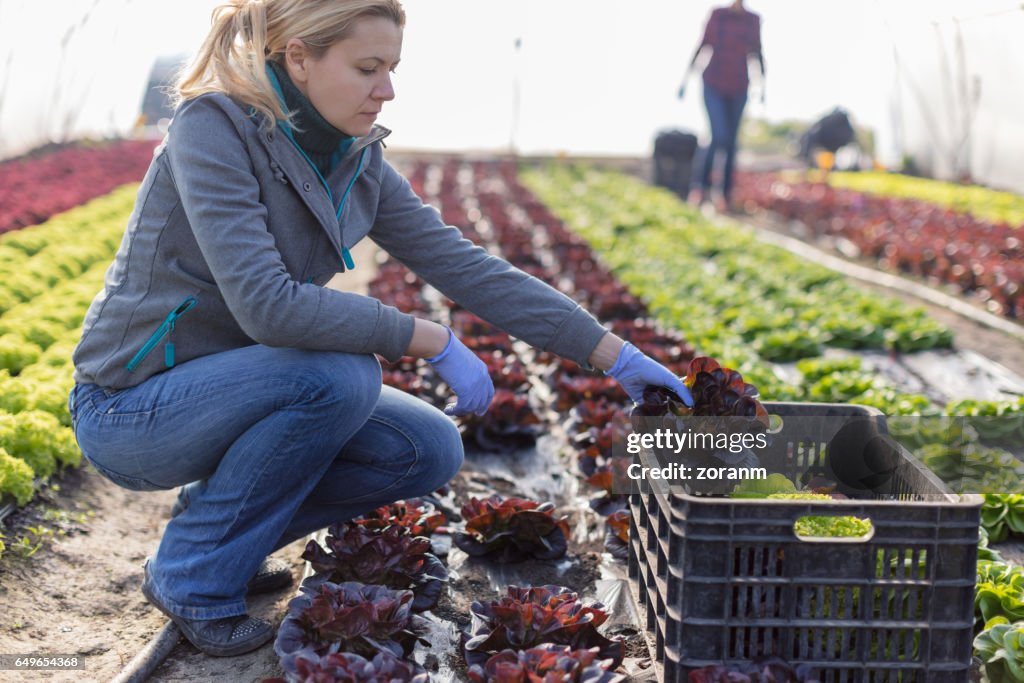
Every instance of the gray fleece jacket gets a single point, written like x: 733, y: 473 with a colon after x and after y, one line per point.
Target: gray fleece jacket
x: 234, y: 232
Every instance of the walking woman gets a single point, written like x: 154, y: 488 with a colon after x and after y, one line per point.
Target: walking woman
x: 215, y: 360
x: 733, y: 34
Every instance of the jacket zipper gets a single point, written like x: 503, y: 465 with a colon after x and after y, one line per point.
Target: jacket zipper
x: 166, y: 327
x: 346, y: 255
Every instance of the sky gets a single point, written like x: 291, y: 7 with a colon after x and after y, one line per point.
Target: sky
x: 587, y: 77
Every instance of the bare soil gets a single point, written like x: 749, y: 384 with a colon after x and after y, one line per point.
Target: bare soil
x: 79, y: 593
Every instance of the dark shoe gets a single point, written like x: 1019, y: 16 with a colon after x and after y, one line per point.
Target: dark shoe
x: 225, y: 637
x: 273, y: 574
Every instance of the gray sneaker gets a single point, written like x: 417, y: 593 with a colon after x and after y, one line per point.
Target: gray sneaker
x: 225, y: 637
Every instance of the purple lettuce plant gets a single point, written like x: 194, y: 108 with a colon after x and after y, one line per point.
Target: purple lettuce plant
x: 420, y: 517
x: 351, y: 617
x: 346, y: 667
x: 532, y: 616
x: 390, y: 557
x: 547, y: 664
x: 767, y: 670
x: 512, y: 530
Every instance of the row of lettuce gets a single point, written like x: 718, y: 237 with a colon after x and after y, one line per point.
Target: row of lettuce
x: 44, y: 183
x: 48, y: 275
x: 967, y: 239
x: 538, y: 632
x: 993, y: 206
x: 54, y: 250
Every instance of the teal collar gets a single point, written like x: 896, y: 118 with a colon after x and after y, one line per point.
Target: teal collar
x: 324, y: 144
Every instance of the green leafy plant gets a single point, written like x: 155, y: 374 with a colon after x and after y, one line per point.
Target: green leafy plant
x: 834, y: 526
x: 15, y: 478
x: 984, y: 551
x: 754, y: 487
x: 1002, y: 514
x: 999, y: 591
x: 1001, y: 649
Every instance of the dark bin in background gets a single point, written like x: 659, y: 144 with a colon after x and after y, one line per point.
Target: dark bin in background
x: 673, y: 160
x: 832, y: 131
x: 726, y: 580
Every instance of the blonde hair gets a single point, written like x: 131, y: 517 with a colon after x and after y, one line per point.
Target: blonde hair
x: 246, y: 34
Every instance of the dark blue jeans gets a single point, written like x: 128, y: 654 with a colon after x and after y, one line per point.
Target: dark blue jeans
x: 724, y: 114
x: 283, y: 442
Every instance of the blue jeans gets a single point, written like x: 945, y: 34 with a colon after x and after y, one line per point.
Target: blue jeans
x: 283, y: 442
x: 724, y: 114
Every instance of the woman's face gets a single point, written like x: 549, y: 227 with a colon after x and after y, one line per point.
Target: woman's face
x: 350, y: 83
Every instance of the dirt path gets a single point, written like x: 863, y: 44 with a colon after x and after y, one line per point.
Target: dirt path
x: 80, y: 592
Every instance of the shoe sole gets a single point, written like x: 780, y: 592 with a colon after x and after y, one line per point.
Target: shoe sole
x: 214, y: 651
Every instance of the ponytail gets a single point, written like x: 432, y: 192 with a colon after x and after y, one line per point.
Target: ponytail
x: 246, y: 33
x: 232, y: 60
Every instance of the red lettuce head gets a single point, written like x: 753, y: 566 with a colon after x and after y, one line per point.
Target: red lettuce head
x: 391, y: 557
x: 347, y: 617
x: 346, y: 667
x: 420, y: 517
x: 512, y: 529
x: 546, y: 663
x: 528, y: 617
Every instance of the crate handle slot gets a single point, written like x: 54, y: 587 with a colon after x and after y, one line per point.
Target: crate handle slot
x: 833, y: 529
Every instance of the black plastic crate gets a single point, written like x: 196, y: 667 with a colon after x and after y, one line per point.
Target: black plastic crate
x: 725, y: 581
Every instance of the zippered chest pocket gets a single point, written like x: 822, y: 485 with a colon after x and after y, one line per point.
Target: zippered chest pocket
x: 161, y: 333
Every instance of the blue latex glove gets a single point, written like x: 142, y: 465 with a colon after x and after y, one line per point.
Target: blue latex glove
x: 634, y: 371
x: 466, y: 375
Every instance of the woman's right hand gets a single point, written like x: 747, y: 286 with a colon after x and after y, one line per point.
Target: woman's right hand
x: 467, y: 376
